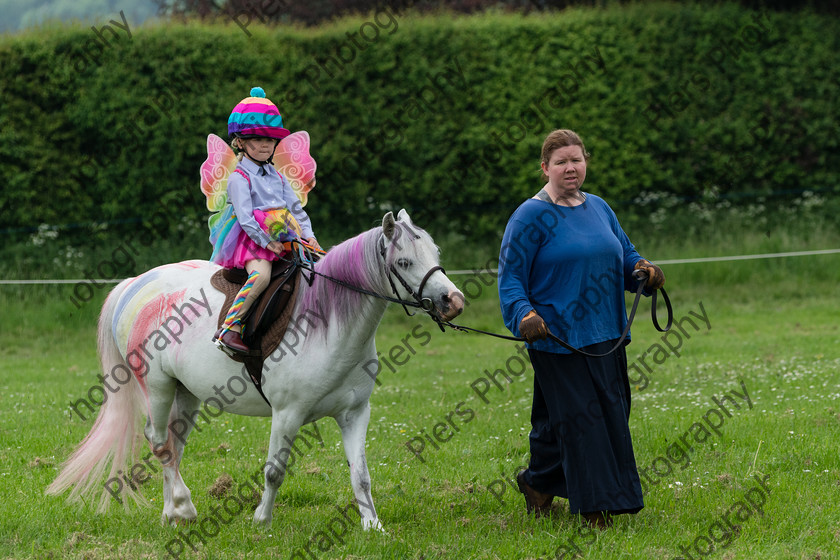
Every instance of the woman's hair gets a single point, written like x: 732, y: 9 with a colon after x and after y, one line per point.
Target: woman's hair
x: 560, y: 139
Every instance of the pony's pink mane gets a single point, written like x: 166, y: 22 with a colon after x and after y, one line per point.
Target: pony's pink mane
x: 355, y: 261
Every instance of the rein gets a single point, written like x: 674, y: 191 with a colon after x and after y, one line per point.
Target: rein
x: 303, y: 262
x: 639, y: 275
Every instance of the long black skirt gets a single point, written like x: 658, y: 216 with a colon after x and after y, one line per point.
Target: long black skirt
x: 580, y: 437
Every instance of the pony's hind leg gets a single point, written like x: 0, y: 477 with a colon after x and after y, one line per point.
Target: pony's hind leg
x: 353, y: 424
x: 172, y: 416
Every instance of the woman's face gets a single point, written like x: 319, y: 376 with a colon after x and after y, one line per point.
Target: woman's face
x: 566, y: 169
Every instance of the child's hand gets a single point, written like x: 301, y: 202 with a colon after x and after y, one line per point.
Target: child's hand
x: 275, y: 247
x: 314, y: 242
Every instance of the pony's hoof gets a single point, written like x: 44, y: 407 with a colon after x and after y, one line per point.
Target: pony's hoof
x: 374, y: 524
x: 262, y: 521
x: 176, y: 521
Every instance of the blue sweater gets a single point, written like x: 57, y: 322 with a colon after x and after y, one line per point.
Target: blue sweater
x: 572, y: 266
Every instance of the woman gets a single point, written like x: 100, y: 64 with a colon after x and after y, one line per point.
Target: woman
x: 564, y: 265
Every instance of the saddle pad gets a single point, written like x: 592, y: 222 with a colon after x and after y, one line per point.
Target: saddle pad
x: 269, y: 317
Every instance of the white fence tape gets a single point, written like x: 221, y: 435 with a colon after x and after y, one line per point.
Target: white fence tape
x: 674, y: 261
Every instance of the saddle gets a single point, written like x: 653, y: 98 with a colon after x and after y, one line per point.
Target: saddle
x: 265, y: 323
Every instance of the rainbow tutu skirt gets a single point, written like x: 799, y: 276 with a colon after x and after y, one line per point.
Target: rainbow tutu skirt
x: 232, y: 247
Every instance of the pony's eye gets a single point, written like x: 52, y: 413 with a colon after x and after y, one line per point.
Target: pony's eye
x: 403, y: 263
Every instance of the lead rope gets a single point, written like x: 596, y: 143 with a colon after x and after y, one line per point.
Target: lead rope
x: 425, y: 304
x: 639, y: 275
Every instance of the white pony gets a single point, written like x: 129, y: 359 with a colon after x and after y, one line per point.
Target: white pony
x: 158, y: 357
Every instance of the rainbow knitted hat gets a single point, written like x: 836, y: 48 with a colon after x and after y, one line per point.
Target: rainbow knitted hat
x: 256, y: 116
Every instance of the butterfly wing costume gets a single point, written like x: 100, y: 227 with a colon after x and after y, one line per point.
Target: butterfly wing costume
x: 292, y: 160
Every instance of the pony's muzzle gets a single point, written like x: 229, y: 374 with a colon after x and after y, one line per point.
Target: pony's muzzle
x: 451, y: 305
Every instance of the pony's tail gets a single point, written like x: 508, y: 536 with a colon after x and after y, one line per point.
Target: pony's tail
x: 114, y: 436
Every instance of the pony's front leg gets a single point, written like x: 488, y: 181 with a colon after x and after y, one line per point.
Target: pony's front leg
x: 353, y: 424
x: 284, y: 428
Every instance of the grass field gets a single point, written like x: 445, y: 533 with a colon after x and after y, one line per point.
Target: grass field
x: 773, y: 330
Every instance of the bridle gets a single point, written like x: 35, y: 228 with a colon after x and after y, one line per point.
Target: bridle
x: 305, y: 262
x: 425, y: 304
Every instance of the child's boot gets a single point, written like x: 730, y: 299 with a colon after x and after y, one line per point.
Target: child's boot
x: 231, y: 340
x: 229, y: 335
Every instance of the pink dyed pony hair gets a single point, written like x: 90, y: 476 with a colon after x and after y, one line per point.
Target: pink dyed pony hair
x: 356, y: 261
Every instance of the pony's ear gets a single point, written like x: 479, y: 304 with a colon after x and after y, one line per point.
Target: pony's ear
x: 404, y: 217
x: 389, y: 225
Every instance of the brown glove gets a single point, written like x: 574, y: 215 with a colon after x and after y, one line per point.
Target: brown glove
x: 533, y: 327
x: 656, y: 278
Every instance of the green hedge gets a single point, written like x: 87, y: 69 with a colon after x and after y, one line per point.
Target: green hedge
x: 441, y: 115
